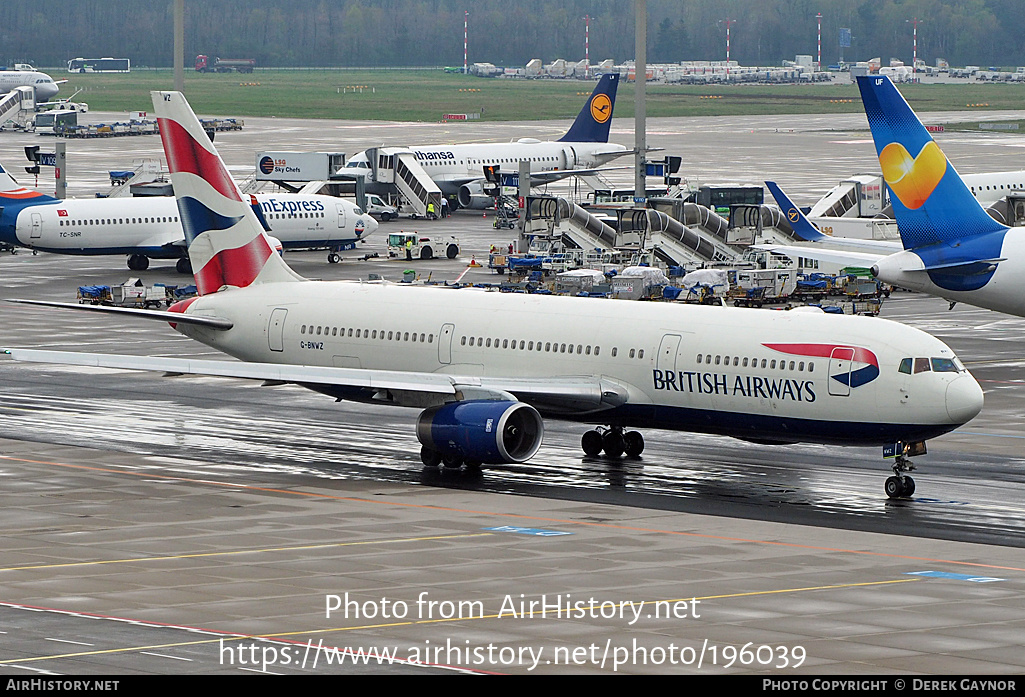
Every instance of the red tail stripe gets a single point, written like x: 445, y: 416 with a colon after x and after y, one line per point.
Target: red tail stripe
x: 234, y: 267
x: 184, y: 154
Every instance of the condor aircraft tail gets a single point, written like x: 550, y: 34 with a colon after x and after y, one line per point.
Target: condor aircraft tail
x: 595, y: 119
x: 226, y: 241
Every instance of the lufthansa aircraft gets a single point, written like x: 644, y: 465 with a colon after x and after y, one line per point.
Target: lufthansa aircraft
x: 148, y: 227
x: 458, y: 170
x: 485, y: 368
x: 951, y: 247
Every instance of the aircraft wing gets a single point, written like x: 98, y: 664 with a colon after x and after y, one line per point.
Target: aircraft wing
x: 844, y: 257
x: 559, y: 174
x: 563, y: 395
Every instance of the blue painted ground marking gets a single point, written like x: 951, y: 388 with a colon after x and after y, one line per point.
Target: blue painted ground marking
x: 956, y: 577
x: 528, y: 531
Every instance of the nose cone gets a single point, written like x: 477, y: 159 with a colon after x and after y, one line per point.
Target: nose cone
x: 45, y: 92
x: 369, y: 225
x: 964, y: 399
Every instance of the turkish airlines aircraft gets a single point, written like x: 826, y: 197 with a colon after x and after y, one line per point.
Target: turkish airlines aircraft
x: 145, y: 228
x: 458, y: 170
x: 486, y: 368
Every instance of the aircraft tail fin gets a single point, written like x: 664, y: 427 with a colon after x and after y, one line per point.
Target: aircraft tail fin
x: 802, y: 226
x: 227, y: 244
x: 595, y: 119
x: 7, y: 182
x: 930, y: 200
x: 14, y: 194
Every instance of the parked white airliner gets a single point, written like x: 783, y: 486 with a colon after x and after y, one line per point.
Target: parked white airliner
x: 458, y: 169
x: 484, y: 367
x: 44, y: 85
x: 145, y: 228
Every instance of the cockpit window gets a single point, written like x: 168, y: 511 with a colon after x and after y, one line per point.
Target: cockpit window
x: 359, y: 211
x: 921, y: 365
x: 944, y: 365
x: 905, y: 366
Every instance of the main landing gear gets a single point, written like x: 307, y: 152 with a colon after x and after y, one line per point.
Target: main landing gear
x: 613, y: 441
x: 432, y: 459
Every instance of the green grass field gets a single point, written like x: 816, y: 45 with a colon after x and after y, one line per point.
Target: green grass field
x: 425, y: 95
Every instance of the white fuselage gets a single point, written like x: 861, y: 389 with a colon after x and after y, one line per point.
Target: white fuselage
x: 451, y: 166
x: 718, y: 370
x: 151, y: 226
x: 1001, y: 292
x: 44, y: 85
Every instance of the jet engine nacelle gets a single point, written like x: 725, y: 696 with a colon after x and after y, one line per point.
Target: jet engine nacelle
x: 485, y: 431
x: 472, y: 196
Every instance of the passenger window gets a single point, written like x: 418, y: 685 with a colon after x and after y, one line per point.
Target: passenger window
x: 921, y: 365
x: 905, y: 366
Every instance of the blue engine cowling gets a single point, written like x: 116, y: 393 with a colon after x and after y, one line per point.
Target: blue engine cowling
x: 490, y: 432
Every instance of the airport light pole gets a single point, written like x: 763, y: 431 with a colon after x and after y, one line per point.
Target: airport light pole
x: 728, y: 23
x: 466, y: 22
x: 640, y: 83
x: 914, y: 44
x: 587, y: 45
x: 818, y: 59
x: 179, y: 45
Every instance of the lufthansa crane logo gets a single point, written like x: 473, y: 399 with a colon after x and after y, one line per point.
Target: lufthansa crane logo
x: 601, y: 108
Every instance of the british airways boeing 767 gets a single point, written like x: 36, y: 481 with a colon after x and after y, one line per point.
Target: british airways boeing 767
x: 485, y: 369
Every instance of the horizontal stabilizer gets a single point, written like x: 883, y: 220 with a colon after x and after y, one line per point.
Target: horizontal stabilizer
x: 172, y: 317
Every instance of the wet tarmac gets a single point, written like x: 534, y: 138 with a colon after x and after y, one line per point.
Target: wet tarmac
x: 181, y: 517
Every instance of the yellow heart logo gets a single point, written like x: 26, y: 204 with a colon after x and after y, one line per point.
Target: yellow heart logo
x: 913, y: 180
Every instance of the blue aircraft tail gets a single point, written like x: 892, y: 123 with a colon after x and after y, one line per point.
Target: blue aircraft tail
x: 593, y: 121
x: 930, y: 201
x: 801, y: 225
x: 938, y: 217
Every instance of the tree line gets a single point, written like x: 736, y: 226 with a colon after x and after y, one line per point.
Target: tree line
x: 380, y: 33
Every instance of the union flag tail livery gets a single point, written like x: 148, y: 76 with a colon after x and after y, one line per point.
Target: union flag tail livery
x: 226, y: 242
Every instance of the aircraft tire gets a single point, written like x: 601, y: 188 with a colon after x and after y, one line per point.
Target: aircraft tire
x: 183, y: 266
x: 591, y: 443
x: 894, y: 487
x: 452, y: 252
x: 426, y: 253
x: 333, y: 258
x: 633, y: 443
x: 909, y: 487
x: 430, y: 457
x: 452, y: 462
x: 138, y: 262
x: 612, y: 443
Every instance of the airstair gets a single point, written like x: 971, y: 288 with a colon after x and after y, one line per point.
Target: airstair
x: 18, y: 106
x: 400, y: 167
